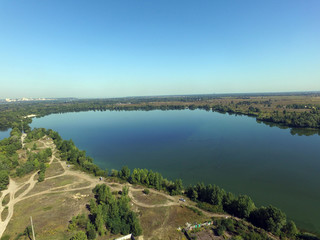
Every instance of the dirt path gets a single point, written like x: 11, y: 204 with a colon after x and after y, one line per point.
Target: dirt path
x: 13, y: 188
x: 23, y: 136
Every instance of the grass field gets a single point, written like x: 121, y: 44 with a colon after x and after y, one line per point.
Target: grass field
x: 150, y: 198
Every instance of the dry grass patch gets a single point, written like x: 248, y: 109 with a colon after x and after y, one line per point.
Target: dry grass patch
x: 206, y: 234
x: 150, y: 199
x: 48, y: 184
x: 152, y: 219
x: 51, y: 214
x: 24, y: 179
x: 4, y: 213
x: 6, y: 199
x: 81, y: 185
x: 54, y: 169
x: 162, y: 222
x: 25, y: 187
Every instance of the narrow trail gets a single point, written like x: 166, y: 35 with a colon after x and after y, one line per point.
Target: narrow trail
x: 14, y: 187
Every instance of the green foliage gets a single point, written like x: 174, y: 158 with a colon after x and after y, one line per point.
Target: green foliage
x: 91, y: 231
x: 41, y: 176
x: 8, y: 156
x: 209, y: 207
x: 155, y: 180
x: 236, y: 238
x: 112, y: 212
x: 242, y: 206
x: 269, y: 218
x: 220, y: 230
x: 4, y: 179
x: 5, y: 237
x: 228, y: 224
x: 34, y: 147
x: 77, y: 222
x: 195, y: 210
x: 124, y: 173
x: 290, y: 229
x: 28, y: 232
x: 125, y: 190
x: 146, y: 191
x: 79, y: 236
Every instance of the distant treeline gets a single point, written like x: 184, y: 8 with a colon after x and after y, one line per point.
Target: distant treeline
x: 12, y: 115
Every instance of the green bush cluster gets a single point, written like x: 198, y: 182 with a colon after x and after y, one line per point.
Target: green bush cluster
x: 107, y: 213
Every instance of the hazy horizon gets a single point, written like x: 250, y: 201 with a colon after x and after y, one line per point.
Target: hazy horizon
x: 107, y: 49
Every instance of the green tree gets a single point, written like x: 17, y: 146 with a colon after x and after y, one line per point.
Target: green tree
x: 146, y: 191
x: 124, y: 173
x: 98, y: 222
x: 41, y: 176
x: 242, y: 206
x: 125, y: 190
x: 91, y: 231
x: 34, y: 147
x: 290, y: 229
x: 4, y: 179
x: 79, y: 236
x: 269, y: 218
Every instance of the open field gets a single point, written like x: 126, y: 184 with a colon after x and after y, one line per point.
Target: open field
x: 151, y: 198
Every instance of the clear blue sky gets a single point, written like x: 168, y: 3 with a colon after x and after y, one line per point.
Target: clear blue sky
x: 127, y: 48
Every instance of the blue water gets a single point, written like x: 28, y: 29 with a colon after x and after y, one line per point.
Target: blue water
x: 235, y: 152
x: 5, y: 134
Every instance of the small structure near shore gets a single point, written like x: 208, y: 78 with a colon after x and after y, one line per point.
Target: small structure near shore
x: 195, y: 226
x: 129, y: 236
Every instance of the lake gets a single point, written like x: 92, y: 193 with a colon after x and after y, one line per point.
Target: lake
x: 5, y: 134
x: 269, y: 164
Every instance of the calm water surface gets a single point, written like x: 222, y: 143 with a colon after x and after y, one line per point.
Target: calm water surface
x: 235, y: 152
x: 5, y: 134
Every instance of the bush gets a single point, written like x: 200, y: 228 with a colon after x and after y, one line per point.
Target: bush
x: 146, y: 191
x: 41, y: 177
x: 195, y: 210
x: 5, y: 237
x: 79, y: 236
x: 4, y: 179
x: 220, y: 230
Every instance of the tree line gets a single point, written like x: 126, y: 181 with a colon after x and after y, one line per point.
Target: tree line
x: 12, y: 115
x: 269, y: 218
x: 8, y: 156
